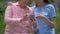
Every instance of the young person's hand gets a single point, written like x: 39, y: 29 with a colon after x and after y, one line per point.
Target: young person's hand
x: 39, y: 16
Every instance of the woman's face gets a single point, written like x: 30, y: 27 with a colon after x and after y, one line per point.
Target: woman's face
x: 25, y: 1
x: 39, y: 2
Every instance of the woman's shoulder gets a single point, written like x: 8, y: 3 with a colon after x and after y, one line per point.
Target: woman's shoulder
x: 33, y: 7
x: 30, y: 8
x: 11, y: 3
x: 50, y: 5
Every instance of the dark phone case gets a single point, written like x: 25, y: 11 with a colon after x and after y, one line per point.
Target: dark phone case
x: 32, y: 17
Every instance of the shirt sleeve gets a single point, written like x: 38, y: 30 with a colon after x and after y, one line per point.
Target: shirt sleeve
x: 8, y: 17
x: 31, y: 11
x: 52, y: 12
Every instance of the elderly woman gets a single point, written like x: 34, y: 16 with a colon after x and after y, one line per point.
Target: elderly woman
x: 17, y: 18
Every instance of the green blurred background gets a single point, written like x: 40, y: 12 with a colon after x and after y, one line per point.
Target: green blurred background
x: 3, y: 4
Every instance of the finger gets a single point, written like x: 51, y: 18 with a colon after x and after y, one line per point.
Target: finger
x: 39, y: 14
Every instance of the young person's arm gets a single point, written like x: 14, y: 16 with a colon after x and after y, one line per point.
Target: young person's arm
x: 51, y: 22
x: 52, y: 14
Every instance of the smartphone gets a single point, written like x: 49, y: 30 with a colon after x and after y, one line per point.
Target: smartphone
x: 32, y: 17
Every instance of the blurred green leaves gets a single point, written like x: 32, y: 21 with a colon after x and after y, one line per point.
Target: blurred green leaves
x: 1, y: 0
x: 2, y: 8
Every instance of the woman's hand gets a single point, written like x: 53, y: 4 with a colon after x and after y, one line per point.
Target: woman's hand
x: 39, y: 16
x: 26, y: 16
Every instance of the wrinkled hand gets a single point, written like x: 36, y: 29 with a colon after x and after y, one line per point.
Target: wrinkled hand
x: 39, y: 16
x: 26, y: 16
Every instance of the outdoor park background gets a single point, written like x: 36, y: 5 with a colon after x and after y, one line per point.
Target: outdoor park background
x: 3, y: 4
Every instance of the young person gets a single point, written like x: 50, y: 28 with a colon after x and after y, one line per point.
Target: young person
x: 45, y: 17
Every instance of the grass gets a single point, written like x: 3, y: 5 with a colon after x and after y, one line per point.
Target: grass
x: 2, y: 25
